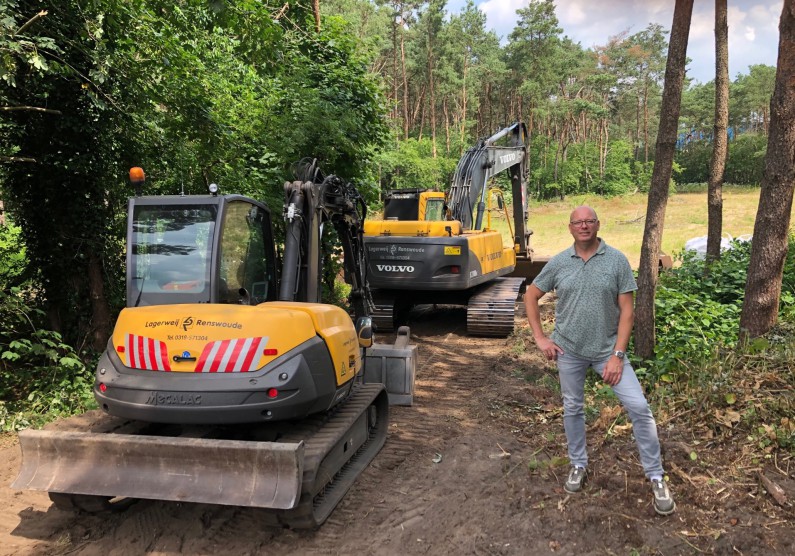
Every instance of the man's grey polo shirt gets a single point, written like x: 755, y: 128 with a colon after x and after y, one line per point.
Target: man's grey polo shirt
x: 586, y: 314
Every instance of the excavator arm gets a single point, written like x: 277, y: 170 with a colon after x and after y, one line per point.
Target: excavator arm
x: 310, y: 203
x: 479, y: 164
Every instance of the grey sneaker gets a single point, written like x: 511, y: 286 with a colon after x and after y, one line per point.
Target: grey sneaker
x: 575, y: 480
x: 663, y: 502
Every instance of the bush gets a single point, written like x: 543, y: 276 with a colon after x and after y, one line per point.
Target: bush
x: 41, y: 377
x: 13, y: 260
x: 697, y: 313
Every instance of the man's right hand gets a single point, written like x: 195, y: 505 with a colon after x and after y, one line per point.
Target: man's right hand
x: 549, y: 348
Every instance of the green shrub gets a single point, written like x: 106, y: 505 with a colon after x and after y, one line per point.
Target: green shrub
x: 41, y: 377
x: 697, y: 313
x: 13, y: 260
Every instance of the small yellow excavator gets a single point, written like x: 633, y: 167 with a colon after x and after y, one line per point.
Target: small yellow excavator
x: 226, y: 381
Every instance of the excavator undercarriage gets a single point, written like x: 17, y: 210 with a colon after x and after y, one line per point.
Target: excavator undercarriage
x: 301, y: 470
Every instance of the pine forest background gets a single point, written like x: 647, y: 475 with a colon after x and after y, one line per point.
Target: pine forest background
x: 387, y: 94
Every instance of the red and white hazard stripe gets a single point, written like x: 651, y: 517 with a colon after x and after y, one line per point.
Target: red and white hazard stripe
x: 240, y: 355
x: 146, y: 353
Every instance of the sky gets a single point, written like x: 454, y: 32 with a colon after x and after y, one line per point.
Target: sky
x: 753, y: 27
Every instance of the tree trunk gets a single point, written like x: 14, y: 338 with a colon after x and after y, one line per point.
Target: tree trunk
x: 720, y: 137
x: 769, y: 247
x: 660, y: 179
x: 405, y: 84
x: 637, y: 127
x: 446, y: 114
x: 431, y: 96
x: 100, y: 312
x: 464, y: 106
x: 316, y: 11
x: 646, y: 123
x: 395, y: 24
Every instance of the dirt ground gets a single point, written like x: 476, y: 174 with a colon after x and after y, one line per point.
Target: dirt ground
x: 475, y: 466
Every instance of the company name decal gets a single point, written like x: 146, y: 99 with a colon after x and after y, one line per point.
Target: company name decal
x: 159, y: 398
x: 188, y: 323
x: 394, y: 268
x: 219, y: 324
x: 392, y: 249
x: 158, y: 323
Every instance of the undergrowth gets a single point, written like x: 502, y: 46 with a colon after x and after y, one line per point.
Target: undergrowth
x: 700, y: 376
x: 41, y: 377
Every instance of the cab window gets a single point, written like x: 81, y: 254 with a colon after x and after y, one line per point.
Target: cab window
x: 246, y: 249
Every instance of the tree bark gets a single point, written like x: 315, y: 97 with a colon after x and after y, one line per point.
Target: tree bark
x: 464, y: 105
x: 660, y: 179
x: 405, y: 80
x: 771, y: 229
x: 446, y: 114
x: 395, y: 25
x: 646, y: 123
x: 316, y: 11
x: 720, y: 136
x: 431, y: 95
x: 100, y: 311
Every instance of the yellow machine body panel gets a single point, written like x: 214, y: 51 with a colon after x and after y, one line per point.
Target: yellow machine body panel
x: 334, y: 325
x: 220, y: 338
x: 412, y: 228
x: 487, y: 247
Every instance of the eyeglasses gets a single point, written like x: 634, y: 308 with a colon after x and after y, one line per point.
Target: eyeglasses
x: 588, y: 222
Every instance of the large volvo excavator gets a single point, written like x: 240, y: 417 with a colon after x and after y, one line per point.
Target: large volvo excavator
x: 454, y: 259
x: 226, y: 381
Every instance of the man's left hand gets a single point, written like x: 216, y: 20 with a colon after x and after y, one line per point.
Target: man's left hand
x: 614, y: 367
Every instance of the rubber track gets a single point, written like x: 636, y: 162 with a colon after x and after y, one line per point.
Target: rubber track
x: 384, y: 313
x: 320, y: 433
x: 320, y: 495
x: 490, y: 312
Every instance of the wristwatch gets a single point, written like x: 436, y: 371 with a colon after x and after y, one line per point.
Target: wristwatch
x: 619, y: 354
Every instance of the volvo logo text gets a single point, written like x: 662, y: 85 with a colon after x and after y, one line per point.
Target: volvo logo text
x: 394, y: 268
x: 510, y: 157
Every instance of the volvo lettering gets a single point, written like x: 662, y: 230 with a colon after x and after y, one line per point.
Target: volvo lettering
x: 394, y: 268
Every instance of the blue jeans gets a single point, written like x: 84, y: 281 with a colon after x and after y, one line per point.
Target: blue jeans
x: 572, y: 386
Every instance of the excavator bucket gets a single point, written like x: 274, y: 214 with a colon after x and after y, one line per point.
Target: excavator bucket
x: 215, y: 471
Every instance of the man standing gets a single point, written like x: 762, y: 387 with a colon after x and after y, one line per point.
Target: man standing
x: 593, y: 322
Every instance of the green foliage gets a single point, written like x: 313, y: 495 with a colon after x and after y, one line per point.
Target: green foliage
x: 578, y: 171
x: 412, y: 166
x: 195, y: 93
x: 746, y: 162
x: 697, y: 309
x: 618, y: 169
x: 691, y: 327
x: 744, y: 166
x: 694, y: 159
x: 41, y: 377
x: 13, y: 260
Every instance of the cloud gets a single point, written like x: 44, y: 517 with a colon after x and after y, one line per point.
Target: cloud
x: 753, y: 27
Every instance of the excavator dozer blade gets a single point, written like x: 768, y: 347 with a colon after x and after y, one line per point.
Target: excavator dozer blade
x: 214, y: 471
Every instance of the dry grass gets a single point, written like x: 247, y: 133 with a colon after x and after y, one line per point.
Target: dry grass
x: 623, y: 219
